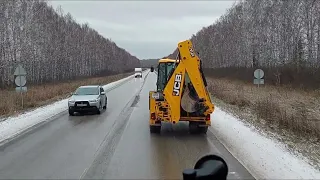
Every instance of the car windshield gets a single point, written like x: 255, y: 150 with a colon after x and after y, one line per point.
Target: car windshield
x: 87, y: 91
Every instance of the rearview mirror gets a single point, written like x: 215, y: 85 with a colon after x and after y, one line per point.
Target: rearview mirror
x: 103, y: 93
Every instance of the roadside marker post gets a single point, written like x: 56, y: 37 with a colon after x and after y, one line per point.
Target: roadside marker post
x: 258, y: 77
x: 20, y: 81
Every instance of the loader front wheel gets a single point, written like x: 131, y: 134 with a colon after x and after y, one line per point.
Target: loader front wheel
x: 155, y: 129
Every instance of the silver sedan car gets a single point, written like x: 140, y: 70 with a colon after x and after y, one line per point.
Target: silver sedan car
x: 88, y: 98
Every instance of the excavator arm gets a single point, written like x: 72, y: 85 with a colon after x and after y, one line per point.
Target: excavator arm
x: 188, y: 62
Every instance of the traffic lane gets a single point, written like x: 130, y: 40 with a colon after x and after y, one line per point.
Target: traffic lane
x: 97, y: 170
x: 132, y: 149
x: 149, y: 156
x: 142, y: 155
x: 65, y: 147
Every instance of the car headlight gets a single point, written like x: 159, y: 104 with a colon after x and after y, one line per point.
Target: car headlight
x: 94, y: 100
x: 71, y: 101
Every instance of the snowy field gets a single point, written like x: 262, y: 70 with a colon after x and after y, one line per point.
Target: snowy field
x: 263, y: 157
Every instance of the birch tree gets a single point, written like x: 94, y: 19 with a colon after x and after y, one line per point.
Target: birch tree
x: 52, y: 46
x: 281, y: 37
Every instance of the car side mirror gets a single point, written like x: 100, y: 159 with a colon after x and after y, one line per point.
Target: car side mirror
x: 103, y: 93
x: 207, y: 167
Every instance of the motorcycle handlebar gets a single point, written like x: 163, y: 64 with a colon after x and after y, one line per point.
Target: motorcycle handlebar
x: 209, y: 167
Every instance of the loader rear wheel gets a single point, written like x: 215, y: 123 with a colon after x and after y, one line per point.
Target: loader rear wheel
x: 203, y: 130
x: 155, y: 129
x: 195, y: 129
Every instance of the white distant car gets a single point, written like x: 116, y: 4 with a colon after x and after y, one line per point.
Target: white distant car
x: 138, y: 73
x: 88, y: 98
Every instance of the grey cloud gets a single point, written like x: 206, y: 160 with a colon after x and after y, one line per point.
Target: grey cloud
x: 149, y: 49
x: 136, y: 25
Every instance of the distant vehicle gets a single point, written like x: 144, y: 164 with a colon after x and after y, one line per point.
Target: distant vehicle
x: 138, y: 72
x: 88, y: 98
x: 152, y: 68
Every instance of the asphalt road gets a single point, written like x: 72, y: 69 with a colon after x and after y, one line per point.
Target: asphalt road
x: 116, y: 144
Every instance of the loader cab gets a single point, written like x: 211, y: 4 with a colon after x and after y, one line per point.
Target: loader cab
x: 165, y: 69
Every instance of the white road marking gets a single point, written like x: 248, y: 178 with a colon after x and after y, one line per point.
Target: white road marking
x: 235, y: 174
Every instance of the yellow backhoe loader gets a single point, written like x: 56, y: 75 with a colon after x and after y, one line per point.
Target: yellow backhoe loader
x: 181, y: 93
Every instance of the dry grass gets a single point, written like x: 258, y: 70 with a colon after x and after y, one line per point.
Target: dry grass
x: 44, y: 94
x: 294, y: 115
x: 281, y: 107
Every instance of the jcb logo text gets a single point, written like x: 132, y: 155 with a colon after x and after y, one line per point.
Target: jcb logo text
x: 177, y: 84
x: 191, y: 52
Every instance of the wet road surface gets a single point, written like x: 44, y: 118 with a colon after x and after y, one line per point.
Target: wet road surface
x: 116, y: 144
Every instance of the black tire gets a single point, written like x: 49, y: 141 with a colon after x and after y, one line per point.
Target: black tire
x: 193, y: 128
x: 99, y: 109
x: 203, y: 130
x: 71, y: 113
x: 105, y: 105
x: 155, y: 129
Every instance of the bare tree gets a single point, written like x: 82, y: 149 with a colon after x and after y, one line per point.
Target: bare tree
x: 282, y: 37
x: 52, y: 46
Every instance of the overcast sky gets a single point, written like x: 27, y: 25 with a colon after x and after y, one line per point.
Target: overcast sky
x: 146, y: 29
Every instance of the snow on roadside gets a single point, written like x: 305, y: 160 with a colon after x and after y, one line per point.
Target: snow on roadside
x: 13, y: 126
x: 115, y: 83
x: 265, y: 158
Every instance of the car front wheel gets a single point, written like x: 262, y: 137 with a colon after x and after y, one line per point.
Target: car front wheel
x: 105, y: 105
x: 99, y: 109
x: 71, y: 113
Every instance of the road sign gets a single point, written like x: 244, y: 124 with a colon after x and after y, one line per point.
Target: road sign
x: 20, y: 80
x: 21, y: 89
x: 258, y: 73
x: 258, y: 81
x: 20, y: 71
